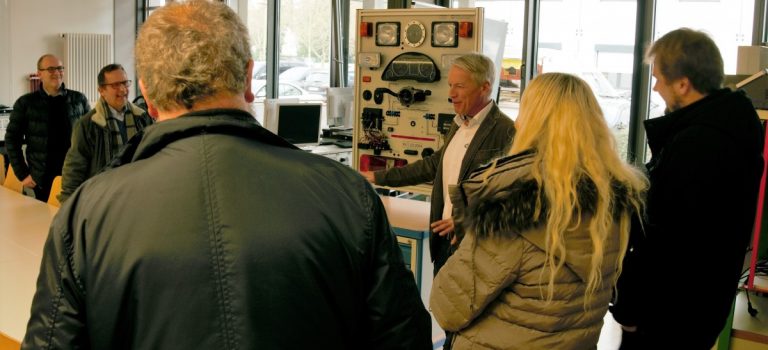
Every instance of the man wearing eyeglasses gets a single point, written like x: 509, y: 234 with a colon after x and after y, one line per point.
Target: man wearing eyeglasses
x: 43, y: 121
x: 100, y: 134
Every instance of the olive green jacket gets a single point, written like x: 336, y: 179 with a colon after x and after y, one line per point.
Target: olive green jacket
x: 93, y: 146
x: 492, y: 292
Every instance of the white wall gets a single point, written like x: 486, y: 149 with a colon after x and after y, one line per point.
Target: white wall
x: 5, y: 54
x: 124, y: 38
x: 31, y: 28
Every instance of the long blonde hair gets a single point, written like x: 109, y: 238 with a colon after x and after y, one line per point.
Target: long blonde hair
x: 561, y: 118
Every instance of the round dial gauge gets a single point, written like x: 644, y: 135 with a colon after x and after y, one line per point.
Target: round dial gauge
x: 415, y: 34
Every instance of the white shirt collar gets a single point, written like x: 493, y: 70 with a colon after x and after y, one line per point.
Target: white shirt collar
x: 119, y: 115
x: 477, y: 119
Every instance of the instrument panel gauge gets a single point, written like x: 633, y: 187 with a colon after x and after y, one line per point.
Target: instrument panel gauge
x: 388, y: 34
x: 445, y: 34
x: 415, y: 33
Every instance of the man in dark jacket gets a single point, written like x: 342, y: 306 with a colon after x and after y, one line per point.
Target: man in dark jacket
x: 43, y: 121
x: 101, y: 133
x: 210, y: 232
x: 479, y: 133
x: 681, y: 273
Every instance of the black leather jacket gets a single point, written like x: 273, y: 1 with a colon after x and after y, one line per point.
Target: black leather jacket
x: 215, y: 234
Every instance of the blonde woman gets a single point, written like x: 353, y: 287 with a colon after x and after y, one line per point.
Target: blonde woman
x: 546, y: 228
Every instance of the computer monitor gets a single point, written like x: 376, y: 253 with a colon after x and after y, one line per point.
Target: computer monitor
x: 299, y: 123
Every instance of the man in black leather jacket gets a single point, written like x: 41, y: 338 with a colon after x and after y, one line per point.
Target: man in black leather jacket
x: 209, y: 232
x: 43, y: 120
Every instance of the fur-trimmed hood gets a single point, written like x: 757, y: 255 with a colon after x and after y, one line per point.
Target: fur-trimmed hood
x: 503, y: 204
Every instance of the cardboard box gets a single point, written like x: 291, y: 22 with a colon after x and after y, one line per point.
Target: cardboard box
x: 756, y: 88
x: 751, y: 59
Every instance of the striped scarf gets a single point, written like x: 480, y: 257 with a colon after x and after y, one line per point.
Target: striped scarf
x: 121, y: 131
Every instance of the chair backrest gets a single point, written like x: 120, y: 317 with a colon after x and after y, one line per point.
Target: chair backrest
x: 12, y: 182
x: 55, y: 190
x: 2, y: 169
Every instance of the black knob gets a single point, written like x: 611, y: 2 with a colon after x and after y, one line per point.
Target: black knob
x: 367, y: 94
x: 427, y: 152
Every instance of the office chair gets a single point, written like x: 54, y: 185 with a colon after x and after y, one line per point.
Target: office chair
x: 2, y: 169
x: 55, y: 190
x: 12, y: 182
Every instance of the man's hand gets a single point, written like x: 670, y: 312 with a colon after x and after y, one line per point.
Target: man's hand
x: 28, y: 182
x: 368, y: 175
x: 629, y: 329
x: 444, y: 228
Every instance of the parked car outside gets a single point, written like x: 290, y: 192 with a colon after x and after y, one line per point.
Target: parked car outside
x: 260, y: 68
x: 295, y: 74
x: 616, y: 104
x: 285, y: 90
x: 317, y: 81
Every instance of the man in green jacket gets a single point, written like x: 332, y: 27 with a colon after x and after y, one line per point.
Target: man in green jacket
x: 99, y: 135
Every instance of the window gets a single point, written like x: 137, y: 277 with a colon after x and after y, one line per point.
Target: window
x: 728, y: 23
x: 256, y: 21
x: 594, y: 40
x: 511, y: 12
x: 305, y: 40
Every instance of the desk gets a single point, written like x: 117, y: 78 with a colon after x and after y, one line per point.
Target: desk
x: 24, y: 223
x: 341, y: 155
x: 406, y: 213
x: 410, y: 221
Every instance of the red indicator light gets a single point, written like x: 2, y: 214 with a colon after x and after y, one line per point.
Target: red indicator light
x: 366, y: 78
x: 373, y: 163
x: 465, y: 29
x: 366, y: 29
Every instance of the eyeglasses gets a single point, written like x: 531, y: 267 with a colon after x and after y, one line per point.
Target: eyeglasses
x: 53, y: 69
x: 117, y: 85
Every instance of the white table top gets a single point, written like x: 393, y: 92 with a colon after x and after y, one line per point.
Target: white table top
x: 24, y: 223
x: 406, y: 213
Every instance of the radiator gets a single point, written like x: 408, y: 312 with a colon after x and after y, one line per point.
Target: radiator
x: 34, y: 82
x: 84, y: 56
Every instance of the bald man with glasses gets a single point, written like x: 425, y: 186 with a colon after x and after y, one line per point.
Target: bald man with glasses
x: 100, y: 134
x: 43, y: 120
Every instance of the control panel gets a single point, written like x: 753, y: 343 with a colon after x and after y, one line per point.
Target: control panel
x: 402, y: 107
